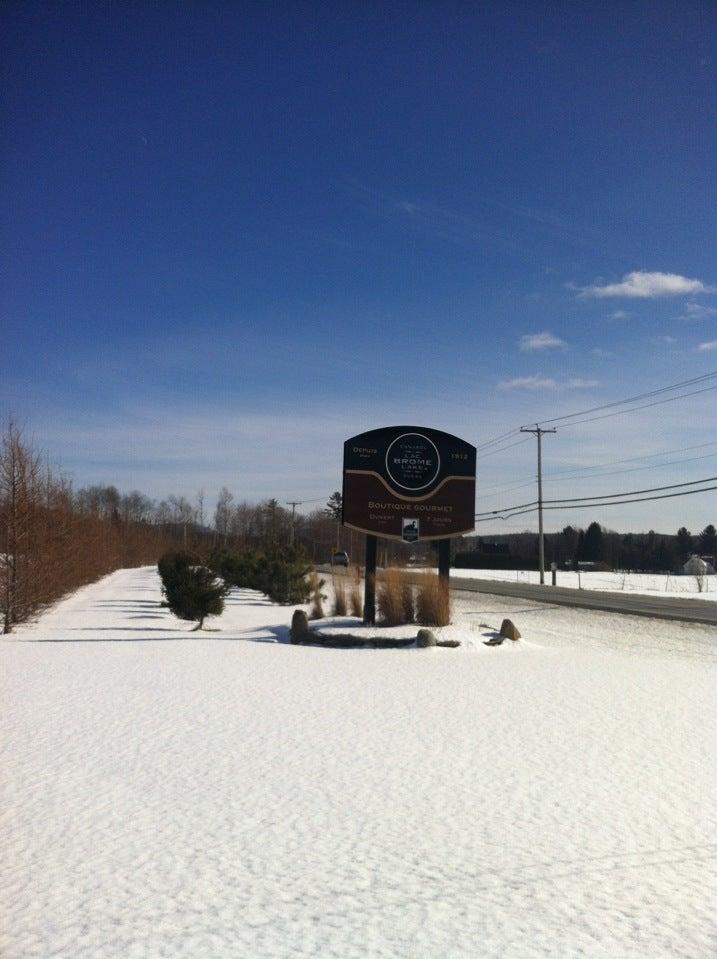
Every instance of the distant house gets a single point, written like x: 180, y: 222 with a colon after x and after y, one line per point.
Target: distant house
x: 698, y: 566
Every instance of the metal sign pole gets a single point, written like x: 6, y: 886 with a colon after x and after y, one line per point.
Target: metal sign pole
x: 444, y: 559
x: 369, y: 601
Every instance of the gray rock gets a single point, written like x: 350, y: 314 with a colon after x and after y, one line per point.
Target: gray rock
x: 425, y: 638
x: 509, y: 629
x: 299, y: 627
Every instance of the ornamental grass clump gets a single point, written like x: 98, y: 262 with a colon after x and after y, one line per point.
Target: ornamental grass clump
x: 390, y: 598
x: 339, y: 606
x: 433, y: 607
x: 355, y: 599
x: 409, y: 611
x: 317, y: 597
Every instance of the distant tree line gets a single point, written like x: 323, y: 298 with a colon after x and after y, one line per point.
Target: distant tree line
x: 646, y: 552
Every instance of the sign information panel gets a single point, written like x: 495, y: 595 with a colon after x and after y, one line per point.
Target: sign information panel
x: 409, y: 483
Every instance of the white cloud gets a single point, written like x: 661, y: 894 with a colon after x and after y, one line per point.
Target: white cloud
x: 642, y: 285
x: 541, y: 341
x: 707, y: 347
x: 529, y: 383
x: 537, y: 382
x: 618, y: 315
x: 696, y: 311
x: 579, y: 384
x: 666, y: 339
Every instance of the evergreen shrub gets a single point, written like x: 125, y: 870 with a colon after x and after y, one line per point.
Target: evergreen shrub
x: 173, y: 565
x: 195, y: 592
x: 280, y: 573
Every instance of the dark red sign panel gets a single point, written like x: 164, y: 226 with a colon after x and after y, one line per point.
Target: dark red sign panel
x: 409, y: 483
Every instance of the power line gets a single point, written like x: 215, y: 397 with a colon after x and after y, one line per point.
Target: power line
x: 580, y: 499
x: 639, y: 469
x: 497, y: 439
x: 634, y: 469
x: 502, y: 448
x: 632, y: 492
x: 633, y: 459
x: 575, y: 470
x: 494, y: 512
x: 596, y: 409
x: 645, y: 499
x: 634, y: 409
x: 635, y: 399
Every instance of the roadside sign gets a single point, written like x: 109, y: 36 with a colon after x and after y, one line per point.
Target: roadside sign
x: 409, y: 483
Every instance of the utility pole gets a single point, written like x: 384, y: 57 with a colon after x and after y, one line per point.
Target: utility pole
x: 541, y: 545
x: 293, y: 504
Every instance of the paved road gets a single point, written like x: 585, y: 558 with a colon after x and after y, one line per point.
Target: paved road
x: 660, y: 607
x: 632, y: 604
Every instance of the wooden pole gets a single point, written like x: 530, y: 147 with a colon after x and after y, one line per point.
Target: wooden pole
x: 369, y: 601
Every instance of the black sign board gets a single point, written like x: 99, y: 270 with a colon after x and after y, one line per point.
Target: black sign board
x: 409, y: 483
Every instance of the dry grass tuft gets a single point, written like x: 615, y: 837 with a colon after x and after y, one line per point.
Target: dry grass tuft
x: 433, y: 606
x: 317, y: 597
x: 407, y: 601
x: 339, y: 607
x: 391, y: 599
x: 355, y: 598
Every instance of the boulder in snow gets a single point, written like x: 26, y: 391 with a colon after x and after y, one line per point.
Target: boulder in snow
x: 425, y: 638
x: 509, y: 629
x: 299, y: 627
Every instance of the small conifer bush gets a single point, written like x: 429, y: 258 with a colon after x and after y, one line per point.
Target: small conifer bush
x: 196, y: 593
x: 173, y: 565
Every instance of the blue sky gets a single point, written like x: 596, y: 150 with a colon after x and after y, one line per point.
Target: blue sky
x: 234, y: 234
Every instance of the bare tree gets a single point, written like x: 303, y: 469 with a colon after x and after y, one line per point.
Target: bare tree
x: 223, y: 513
x: 52, y: 541
x: 19, y: 479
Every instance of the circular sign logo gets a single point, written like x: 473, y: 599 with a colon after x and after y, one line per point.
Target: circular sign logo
x: 412, y: 461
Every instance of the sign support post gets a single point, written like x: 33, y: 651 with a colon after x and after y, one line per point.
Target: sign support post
x: 369, y: 600
x: 444, y: 560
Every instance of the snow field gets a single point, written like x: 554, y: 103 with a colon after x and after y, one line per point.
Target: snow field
x: 226, y: 794
x: 657, y: 584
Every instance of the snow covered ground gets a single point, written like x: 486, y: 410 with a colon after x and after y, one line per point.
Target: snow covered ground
x: 657, y: 584
x: 183, y: 795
